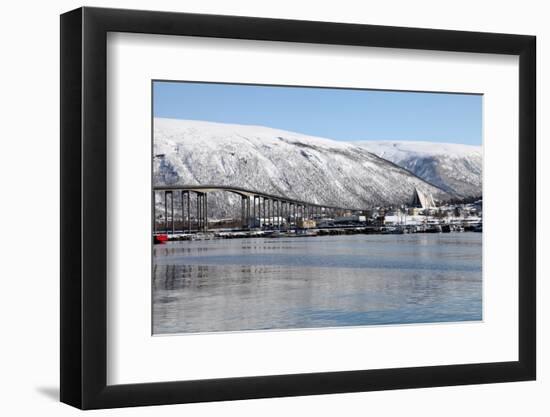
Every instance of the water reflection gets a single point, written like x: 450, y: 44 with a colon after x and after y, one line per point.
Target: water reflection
x: 253, y: 284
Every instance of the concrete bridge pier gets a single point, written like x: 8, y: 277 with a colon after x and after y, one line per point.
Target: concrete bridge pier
x: 254, y: 211
x: 278, y: 213
x: 246, y: 211
x: 198, y: 212
x: 205, y: 214
x: 280, y: 217
x: 266, y: 211
x: 201, y: 212
x: 269, y: 213
x: 198, y: 216
x: 259, y: 211
x: 183, y: 218
x: 262, y: 212
x: 186, y: 210
x: 166, y: 229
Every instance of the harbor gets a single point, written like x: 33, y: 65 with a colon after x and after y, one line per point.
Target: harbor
x: 298, y: 265
x: 328, y: 281
x: 349, y: 230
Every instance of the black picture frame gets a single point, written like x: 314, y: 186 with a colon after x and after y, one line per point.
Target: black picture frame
x: 84, y: 207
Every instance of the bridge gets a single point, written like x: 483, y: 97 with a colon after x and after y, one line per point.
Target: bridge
x: 258, y: 209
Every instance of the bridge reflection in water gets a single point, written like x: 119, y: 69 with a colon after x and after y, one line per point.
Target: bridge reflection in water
x: 258, y: 210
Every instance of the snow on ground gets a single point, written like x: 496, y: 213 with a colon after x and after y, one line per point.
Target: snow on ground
x: 279, y: 162
x: 456, y: 168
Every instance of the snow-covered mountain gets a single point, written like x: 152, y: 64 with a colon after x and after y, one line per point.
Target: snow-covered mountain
x: 278, y: 162
x: 455, y: 168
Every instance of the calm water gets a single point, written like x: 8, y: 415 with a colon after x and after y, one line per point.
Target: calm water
x: 331, y: 281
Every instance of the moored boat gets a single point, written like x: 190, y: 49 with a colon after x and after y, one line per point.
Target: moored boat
x: 160, y: 238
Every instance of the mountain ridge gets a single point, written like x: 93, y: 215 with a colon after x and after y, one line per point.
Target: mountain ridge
x: 293, y: 165
x: 455, y: 168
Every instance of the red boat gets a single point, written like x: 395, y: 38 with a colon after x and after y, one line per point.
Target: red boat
x: 159, y: 239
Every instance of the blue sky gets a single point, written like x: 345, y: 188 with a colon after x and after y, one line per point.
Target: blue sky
x: 340, y: 114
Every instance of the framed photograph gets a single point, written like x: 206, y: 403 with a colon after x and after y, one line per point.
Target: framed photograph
x: 258, y: 208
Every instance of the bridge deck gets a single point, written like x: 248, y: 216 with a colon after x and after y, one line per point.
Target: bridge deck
x: 247, y: 193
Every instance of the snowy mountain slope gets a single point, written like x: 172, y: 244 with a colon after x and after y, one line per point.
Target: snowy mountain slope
x: 455, y: 168
x: 278, y: 162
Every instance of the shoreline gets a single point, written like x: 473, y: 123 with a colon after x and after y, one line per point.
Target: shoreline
x: 161, y: 237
